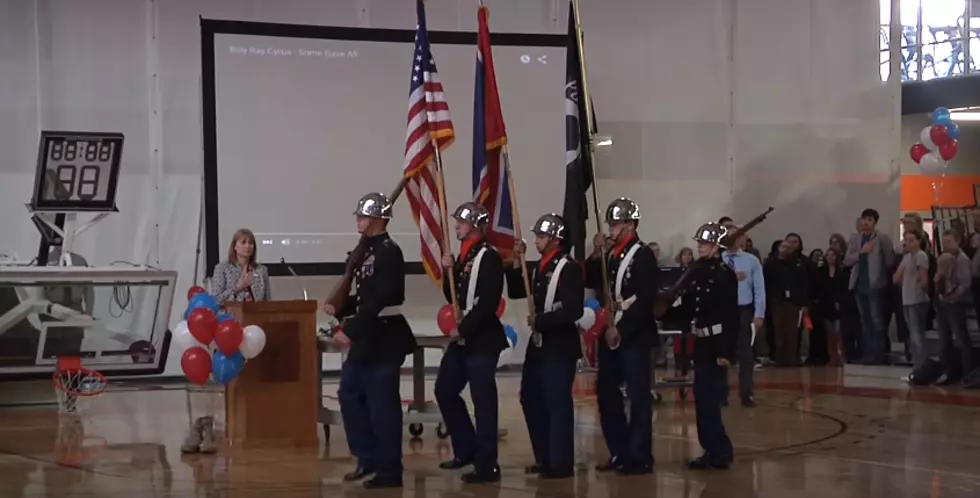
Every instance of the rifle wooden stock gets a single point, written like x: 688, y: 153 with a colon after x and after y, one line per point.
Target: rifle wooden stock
x: 666, y: 298
x: 341, y: 290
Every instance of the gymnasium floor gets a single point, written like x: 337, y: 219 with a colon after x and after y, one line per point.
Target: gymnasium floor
x: 813, y: 434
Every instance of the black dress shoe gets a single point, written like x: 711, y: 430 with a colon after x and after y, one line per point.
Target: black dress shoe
x: 358, y: 474
x: 454, y: 464
x: 634, y: 470
x: 557, y: 473
x: 482, y: 477
x: 748, y: 402
x: 609, y: 466
x: 533, y: 469
x: 702, y: 463
x: 377, y: 483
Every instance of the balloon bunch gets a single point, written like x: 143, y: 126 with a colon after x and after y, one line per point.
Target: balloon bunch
x: 938, y: 143
x: 214, y: 344
x: 593, y: 324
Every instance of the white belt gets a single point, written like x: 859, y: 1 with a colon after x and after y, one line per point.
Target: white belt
x: 390, y: 311
x: 621, y: 306
x: 708, y: 331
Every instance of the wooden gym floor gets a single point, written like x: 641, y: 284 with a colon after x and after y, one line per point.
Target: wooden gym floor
x: 810, y: 436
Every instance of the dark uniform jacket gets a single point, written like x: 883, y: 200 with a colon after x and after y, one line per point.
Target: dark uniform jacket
x: 638, y: 326
x: 559, y: 332
x: 379, y: 282
x: 713, y: 293
x: 480, y: 328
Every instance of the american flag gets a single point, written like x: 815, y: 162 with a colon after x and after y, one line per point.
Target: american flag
x: 491, y: 187
x: 429, y: 126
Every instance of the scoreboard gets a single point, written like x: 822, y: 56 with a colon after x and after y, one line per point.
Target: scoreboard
x: 77, y: 171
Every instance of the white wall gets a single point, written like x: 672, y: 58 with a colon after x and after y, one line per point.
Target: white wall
x: 717, y: 107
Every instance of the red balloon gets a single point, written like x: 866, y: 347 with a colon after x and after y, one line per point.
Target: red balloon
x: 202, y: 324
x: 939, y: 135
x: 949, y: 149
x: 501, y: 308
x: 196, y: 363
x: 601, y: 320
x: 340, y: 339
x: 229, y: 337
x: 193, y: 291
x: 917, y: 151
x: 446, y: 319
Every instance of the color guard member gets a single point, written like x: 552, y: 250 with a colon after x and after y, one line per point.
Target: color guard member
x: 624, y: 355
x: 714, y: 287
x: 554, y: 350
x: 379, y: 338
x: 472, y: 356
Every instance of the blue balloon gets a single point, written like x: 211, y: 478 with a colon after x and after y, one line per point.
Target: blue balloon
x: 224, y: 317
x: 953, y: 130
x: 592, y: 304
x: 511, y: 335
x: 224, y: 368
x: 203, y: 300
x: 940, y: 114
x: 942, y: 121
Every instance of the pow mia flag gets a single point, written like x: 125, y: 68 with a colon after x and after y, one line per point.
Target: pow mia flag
x: 578, y: 160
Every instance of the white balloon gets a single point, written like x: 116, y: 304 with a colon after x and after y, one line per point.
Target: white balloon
x: 183, y: 338
x: 587, y: 320
x: 926, y: 139
x: 932, y: 164
x: 253, y: 341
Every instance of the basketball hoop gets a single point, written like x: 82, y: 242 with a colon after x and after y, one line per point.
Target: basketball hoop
x: 74, y: 383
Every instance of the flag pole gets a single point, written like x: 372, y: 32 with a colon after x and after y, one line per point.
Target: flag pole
x: 584, y: 94
x: 444, y: 213
x: 517, y: 230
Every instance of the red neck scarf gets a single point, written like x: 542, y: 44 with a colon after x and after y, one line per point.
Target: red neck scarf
x: 546, y: 258
x: 621, y: 245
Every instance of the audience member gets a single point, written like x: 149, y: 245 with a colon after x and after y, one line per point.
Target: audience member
x: 913, y: 277
x: 832, y: 303
x: 872, y: 253
x: 786, y: 286
x: 953, y: 300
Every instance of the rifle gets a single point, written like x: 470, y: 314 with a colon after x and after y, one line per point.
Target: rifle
x: 341, y: 291
x: 666, y: 299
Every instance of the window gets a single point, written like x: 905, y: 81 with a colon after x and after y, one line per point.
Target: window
x: 934, y: 38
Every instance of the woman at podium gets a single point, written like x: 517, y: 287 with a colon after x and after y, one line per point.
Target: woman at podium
x: 240, y: 278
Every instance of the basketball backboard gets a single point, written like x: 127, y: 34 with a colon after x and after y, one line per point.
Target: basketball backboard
x: 115, y: 319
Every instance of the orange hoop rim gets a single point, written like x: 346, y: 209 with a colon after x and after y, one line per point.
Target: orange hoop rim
x: 57, y: 380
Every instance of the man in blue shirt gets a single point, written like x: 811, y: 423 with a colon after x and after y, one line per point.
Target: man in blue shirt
x: 752, y: 312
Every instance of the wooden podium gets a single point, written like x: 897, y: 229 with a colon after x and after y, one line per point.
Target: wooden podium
x: 276, y: 397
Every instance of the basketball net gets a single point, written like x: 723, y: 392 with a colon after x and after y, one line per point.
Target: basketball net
x: 76, y: 386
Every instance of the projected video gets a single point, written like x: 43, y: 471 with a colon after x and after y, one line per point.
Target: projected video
x: 307, y: 126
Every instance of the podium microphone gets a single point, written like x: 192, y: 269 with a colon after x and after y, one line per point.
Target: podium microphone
x: 293, y: 273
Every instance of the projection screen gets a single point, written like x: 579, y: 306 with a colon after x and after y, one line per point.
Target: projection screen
x: 301, y: 121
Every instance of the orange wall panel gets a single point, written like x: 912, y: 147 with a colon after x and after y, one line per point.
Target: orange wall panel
x: 954, y: 190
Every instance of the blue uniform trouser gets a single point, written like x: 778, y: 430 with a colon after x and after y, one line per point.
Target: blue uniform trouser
x: 546, y: 398
x: 630, y: 443
x: 479, y: 370
x: 370, y: 403
x: 709, y: 391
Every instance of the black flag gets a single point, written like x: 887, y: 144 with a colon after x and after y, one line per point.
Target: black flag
x: 578, y: 160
